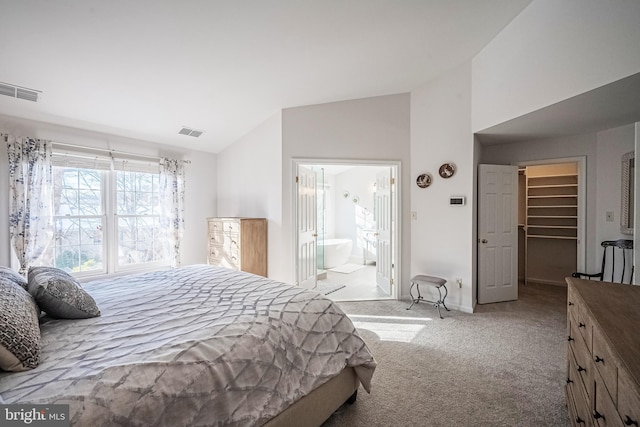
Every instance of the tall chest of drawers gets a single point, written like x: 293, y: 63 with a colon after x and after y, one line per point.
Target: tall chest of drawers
x: 238, y: 243
x: 603, y: 355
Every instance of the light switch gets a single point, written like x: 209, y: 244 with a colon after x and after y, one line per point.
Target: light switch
x: 609, y: 216
x: 414, y: 215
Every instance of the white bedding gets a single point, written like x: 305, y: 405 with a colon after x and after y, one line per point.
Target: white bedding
x: 194, y: 346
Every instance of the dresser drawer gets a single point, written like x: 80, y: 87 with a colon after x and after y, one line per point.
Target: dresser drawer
x: 604, y: 411
x: 605, y: 364
x: 577, y: 401
x: 628, y: 400
x: 226, y: 241
x: 585, y: 326
x: 215, y: 225
x: 572, y: 304
x: 231, y: 227
x: 216, y: 238
x: 218, y: 252
x: 220, y: 230
x: 215, y: 252
x: 582, y: 357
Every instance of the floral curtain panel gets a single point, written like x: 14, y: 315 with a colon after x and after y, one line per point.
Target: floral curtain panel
x: 172, y: 196
x: 30, y: 210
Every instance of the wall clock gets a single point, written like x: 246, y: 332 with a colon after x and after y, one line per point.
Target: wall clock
x: 447, y: 170
x: 424, y: 180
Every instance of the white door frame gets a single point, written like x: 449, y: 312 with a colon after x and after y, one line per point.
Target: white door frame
x: 581, y: 162
x: 396, y: 174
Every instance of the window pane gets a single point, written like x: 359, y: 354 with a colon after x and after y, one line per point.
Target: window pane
x: 77, y: 191
x: 78, y: 244
x: 140, y: 238
x: 79, y: 219
x: 89, y: 202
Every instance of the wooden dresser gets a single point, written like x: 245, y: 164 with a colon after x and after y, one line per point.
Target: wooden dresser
x: 603, y: 375
x: 238, y: 243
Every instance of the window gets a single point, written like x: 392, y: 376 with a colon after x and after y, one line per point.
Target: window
x: 79, y: 219
x: 140, y: 238
x: 106, y: 215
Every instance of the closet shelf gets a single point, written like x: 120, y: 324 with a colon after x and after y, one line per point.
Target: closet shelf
x: 553, y: 216
x: 572, y: 227
x: 553, y: 196
x: 551, y: 206
x: 555, y: 175
x: 550, y: 213
x: 553, y: 186
x: 543, y: 236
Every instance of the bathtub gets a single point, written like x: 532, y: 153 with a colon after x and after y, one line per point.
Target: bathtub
x: 336, y: 251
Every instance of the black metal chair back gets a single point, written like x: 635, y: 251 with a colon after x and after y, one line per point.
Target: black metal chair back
x: 617, y: 263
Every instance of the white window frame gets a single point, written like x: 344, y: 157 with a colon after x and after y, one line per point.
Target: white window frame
x: 109, y: 201
x: 113, y: 247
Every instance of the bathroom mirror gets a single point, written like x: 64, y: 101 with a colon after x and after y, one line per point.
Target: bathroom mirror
x: 626, y: 211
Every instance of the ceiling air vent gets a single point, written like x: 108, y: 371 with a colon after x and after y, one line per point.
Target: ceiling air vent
x: 19, y: 92
x: 190, y: 132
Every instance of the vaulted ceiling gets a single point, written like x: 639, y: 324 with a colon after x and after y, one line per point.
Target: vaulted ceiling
x: 144, y: 69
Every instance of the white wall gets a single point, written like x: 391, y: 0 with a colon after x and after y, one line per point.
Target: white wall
x: 352, y: 219
x: 442, y: 241
x: 552, y: 51
x: 362, y: 129
x: 249, y: 175
x: 611, y: 145
x: 574, y: 146
x: 333, y: 195
x: 603, y: 151
x: 200, y: 190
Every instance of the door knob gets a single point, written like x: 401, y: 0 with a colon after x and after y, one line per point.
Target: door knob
x: 485, y: 241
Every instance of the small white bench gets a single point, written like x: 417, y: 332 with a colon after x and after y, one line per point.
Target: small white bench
x: 437, y: 282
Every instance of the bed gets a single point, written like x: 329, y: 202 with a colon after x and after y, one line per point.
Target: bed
x: 197, y: 346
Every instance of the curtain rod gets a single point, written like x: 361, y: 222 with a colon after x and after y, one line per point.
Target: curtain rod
x: 64, y: 144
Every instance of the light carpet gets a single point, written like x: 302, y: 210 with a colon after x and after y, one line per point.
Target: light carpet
x: 504, y: 365
x: 347, y: 268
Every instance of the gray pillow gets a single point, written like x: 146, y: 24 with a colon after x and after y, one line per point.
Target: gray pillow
x: 12, y: 275
x: 60, y: 295
x: 19, y: 329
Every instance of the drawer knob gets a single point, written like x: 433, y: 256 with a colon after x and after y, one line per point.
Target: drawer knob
x: 629, y: 422
x: 581, y: 369
x: 599, y: 359
x: 569, y: 381
x: 597, y: 415
x: 569, y: 338
x: 570, y: 303
x: 581, y: 325
x: 579, y: 420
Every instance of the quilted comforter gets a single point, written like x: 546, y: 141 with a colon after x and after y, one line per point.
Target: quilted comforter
x: 195, y: 346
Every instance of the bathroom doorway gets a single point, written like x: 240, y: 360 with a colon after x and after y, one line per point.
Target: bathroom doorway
x: 347, y: 233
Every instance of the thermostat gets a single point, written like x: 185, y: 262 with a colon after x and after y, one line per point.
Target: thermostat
x: 456, y: 200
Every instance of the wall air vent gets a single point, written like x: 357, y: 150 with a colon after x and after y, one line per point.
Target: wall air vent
x: 190, y: 132
x: 19, y: 92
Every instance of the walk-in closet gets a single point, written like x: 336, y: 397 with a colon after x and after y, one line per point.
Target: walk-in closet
x: 547, y: 222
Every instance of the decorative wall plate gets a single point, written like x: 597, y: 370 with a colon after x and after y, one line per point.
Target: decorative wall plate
x: 447, y: 170
x: 424, y: 180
